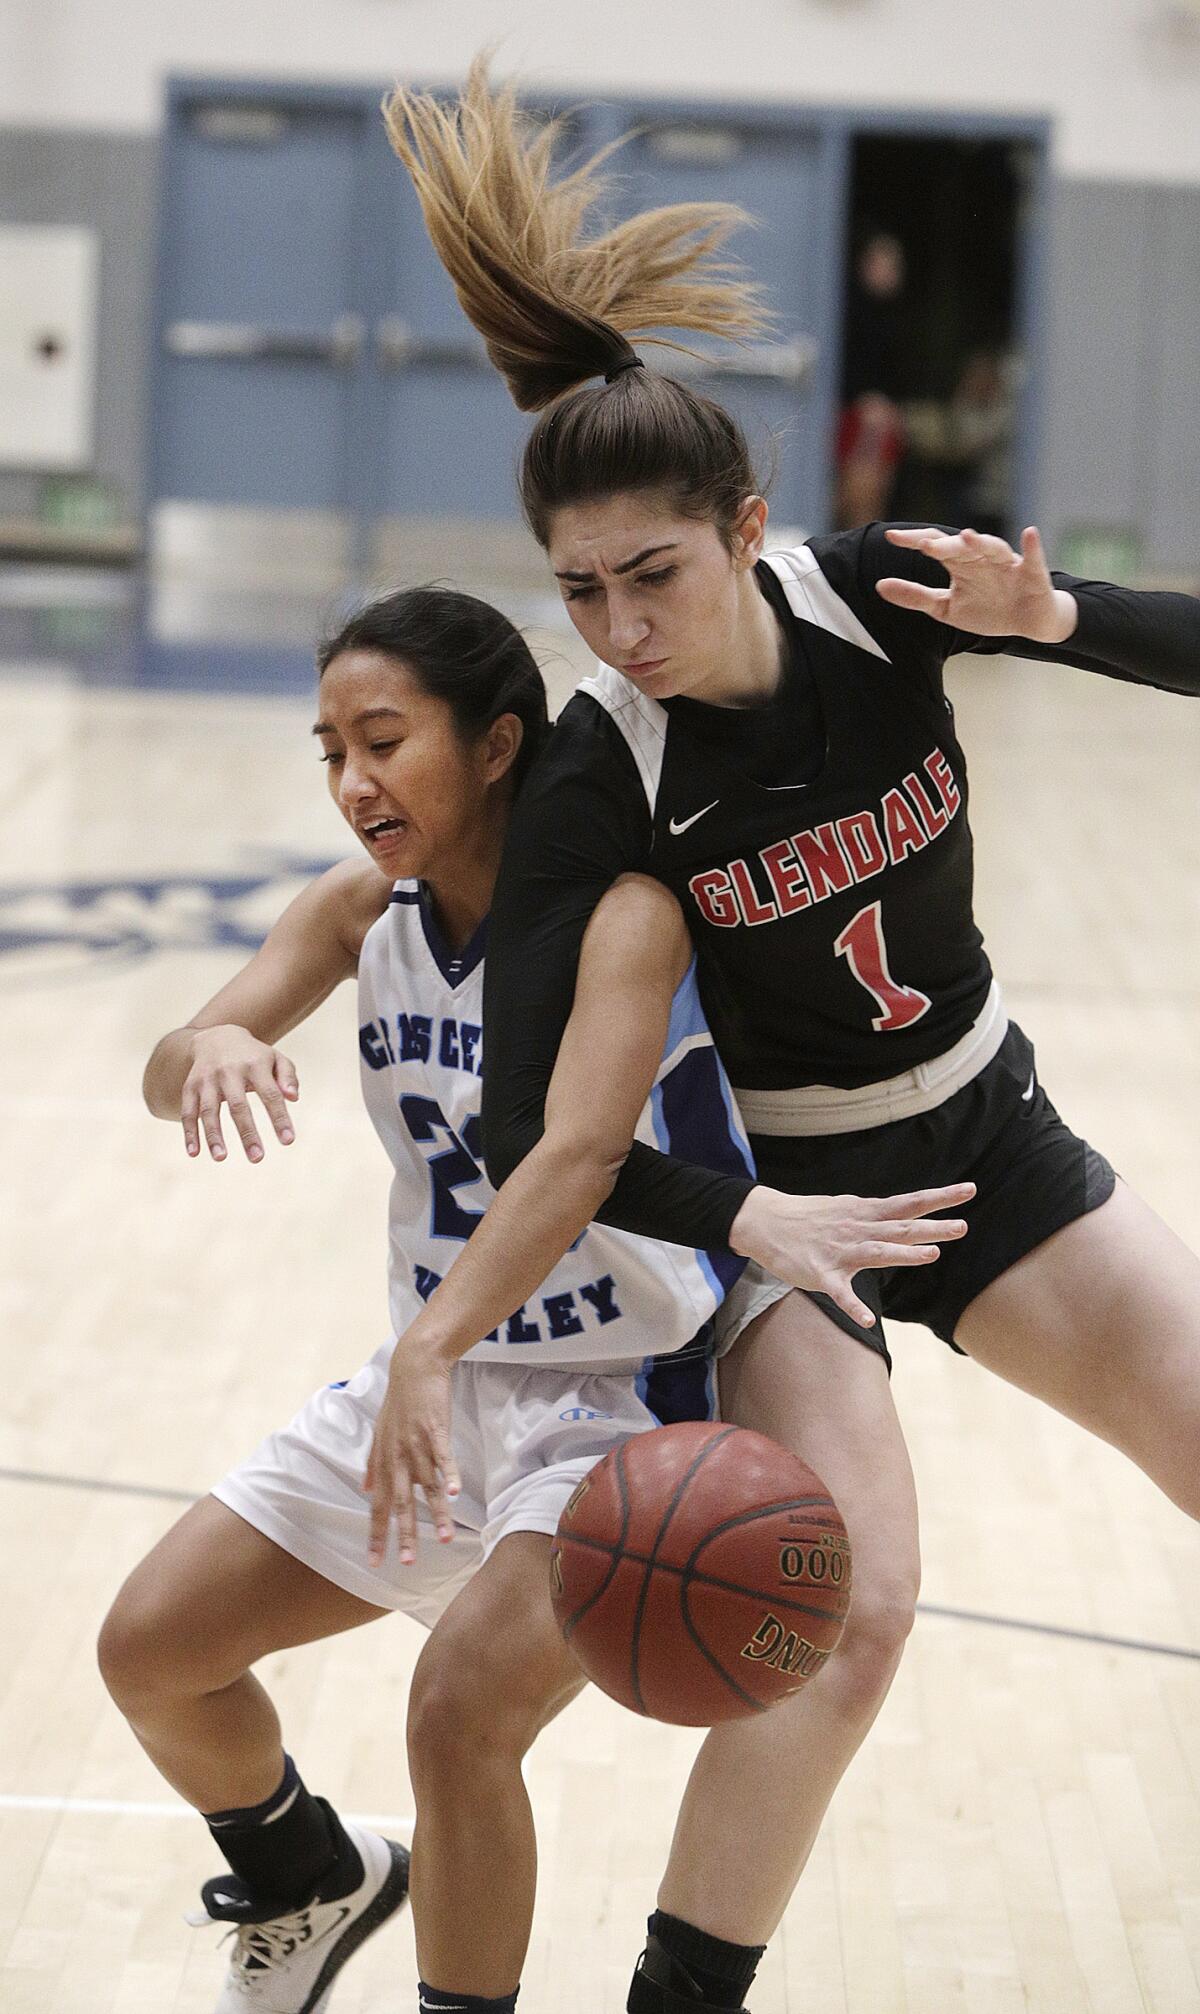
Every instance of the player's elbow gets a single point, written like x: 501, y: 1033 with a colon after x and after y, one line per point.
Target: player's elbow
x: 514, y: 1118
x: 506, y: 1146
x: 587, y: 1156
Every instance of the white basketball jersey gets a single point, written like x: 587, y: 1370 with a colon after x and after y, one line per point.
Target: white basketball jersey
x: 614, y: 1297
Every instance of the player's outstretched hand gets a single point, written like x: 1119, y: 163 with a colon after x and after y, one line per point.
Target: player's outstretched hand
x: 412, y: 1450
x: 228, y: 1063
x: 821, y: 1242
x: 993, y: 590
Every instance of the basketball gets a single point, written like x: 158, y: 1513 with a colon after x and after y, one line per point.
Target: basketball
x: 701, y: 1573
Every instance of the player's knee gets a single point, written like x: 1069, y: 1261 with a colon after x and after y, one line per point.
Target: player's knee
x: 467, y: 1707
x: 126, y: 1649
x: 146, y: 1651
x: 877, y: 1629
x: 450, y: 1731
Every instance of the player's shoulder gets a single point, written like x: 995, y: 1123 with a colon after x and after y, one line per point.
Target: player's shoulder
x: 832, y: 582
x: 633, y: 721
x: 828, y: 587
x: 856, y: 561
x: 604, y: 711
x: 351, y: 896
x: 598, y: 748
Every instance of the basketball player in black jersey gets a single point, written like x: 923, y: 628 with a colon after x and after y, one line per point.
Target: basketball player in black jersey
x: 769, y: 738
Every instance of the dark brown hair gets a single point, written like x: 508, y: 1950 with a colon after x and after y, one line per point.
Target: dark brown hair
x: 556, y: 307
x: 460, y: 650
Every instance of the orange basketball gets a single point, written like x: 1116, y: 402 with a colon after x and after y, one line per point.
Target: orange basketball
x: 701, y: 1573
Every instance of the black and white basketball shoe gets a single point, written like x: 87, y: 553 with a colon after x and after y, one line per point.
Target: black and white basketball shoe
x: 288, y: 1964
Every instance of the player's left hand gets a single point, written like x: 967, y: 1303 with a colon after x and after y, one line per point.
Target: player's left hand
x: 412, y: 1450
x: 993, y: 590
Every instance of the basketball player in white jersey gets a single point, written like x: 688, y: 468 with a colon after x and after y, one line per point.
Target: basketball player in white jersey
x: 431, y: 709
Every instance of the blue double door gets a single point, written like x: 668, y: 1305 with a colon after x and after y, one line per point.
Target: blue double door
x: 313, y: 363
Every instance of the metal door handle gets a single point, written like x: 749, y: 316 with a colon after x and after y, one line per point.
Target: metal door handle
x: 790, y: 363
x: 399, y: 348
x: 251, y: 343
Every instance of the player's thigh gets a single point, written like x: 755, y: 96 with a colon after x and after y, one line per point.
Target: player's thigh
x: 796, y: 1376
x: 1102, y: 1321
x: 211, y: 1598
x: 496, y: 1666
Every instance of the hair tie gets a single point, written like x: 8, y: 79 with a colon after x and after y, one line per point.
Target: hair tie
x: 629, y: 363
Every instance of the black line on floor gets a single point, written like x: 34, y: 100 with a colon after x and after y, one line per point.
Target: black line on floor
x: 98, y: 1484
x: 1053, y: 1629
x: 1058, y: 1629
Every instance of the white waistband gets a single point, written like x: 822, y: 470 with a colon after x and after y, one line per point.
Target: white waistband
x: 812, y: 1109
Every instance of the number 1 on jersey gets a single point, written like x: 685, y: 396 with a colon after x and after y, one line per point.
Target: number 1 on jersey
x: 861, y: 944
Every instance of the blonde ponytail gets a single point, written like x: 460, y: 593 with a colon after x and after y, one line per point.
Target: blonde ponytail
x: 554, y: 306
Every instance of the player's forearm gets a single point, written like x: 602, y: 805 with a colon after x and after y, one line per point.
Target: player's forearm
x: 536, y: 1217
x: 1131, y: 634
x: 166, y: 1073
x: 659, y: 1196
x: 1147, y: 638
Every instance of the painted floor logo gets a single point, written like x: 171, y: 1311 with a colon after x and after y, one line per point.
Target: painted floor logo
x: 50, y: 930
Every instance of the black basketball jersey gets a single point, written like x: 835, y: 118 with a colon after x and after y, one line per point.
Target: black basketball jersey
x: 832, y: 916
x: 829, y: 891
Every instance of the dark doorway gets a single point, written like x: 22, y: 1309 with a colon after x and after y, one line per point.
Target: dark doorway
x: 932, y: 311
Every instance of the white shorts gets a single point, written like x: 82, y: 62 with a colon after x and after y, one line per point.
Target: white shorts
x: 750, y: 1296
x: 523, y: 1439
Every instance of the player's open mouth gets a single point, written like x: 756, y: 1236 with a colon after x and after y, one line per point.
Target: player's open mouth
x: 381, y: 830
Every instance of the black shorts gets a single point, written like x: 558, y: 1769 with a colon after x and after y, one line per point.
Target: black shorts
x: 1033, y: 1175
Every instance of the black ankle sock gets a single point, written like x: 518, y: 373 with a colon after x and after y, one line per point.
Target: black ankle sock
x: 723, y: 1972
x: 289, y: 1847
x: 432, y: 2000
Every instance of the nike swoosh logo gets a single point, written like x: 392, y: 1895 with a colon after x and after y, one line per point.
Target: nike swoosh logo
x: 1030, y: 1088
x: 226, y: 1900
x: 678, y: 825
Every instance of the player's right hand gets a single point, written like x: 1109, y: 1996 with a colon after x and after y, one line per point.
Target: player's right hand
x: 819, y: 1243
x: 412, y: 1449
x: 228, y: 1063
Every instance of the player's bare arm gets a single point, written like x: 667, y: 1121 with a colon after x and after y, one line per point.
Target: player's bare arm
x: 635, y: 952
x: 228, y: 1049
